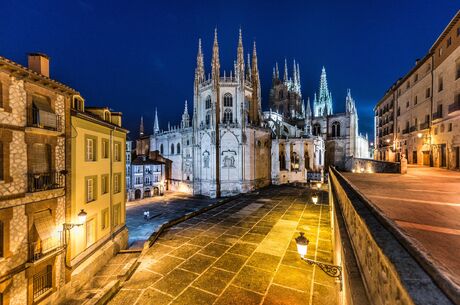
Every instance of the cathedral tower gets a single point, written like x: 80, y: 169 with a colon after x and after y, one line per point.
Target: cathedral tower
x: 323, y: 105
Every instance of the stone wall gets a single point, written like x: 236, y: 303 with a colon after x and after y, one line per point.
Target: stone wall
x: 371, y: 166
x: 390, y: 273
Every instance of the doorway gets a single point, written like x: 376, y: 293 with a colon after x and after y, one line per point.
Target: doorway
x: 414, y: 157
x: 137, y: 194
x: 443, y: 155
x: 426, y: 158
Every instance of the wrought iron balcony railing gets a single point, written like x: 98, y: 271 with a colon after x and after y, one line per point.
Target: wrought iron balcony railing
x: 424, y: 125
x: 44, y: 120
x: 454, y: 107
x: 437, y: 115
x: 413, y: 128
x: 43, y: 248
x: 37, y: 182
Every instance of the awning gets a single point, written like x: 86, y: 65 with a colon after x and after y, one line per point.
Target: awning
x: 47, y: 117
x: 44, y: 223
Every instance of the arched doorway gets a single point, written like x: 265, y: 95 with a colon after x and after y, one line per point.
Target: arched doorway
x: 147, y: 193
x: 156, y: 191
x: 137, y: 194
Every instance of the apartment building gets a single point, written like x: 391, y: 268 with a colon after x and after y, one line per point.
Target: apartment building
x: 418, y: 117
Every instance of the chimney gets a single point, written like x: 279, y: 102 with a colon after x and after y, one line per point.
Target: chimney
x: 40, y: 63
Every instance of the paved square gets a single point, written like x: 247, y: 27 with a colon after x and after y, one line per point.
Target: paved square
x: 242, y: 252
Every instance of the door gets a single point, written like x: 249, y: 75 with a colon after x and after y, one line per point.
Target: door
x: 443, y: 155
x: 457, y: 157
x: 414, y: 157
x: 426, y: 158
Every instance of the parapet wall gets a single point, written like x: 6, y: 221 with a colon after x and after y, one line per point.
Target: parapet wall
x: 371, y: 166
x: 391, y: 275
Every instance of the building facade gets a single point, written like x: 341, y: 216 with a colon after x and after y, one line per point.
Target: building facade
x: 229, y: 146
x: 418, y: 117
x: 34, y: 126
x: 98, y: 188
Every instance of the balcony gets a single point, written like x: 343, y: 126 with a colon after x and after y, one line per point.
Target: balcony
x: 413, y: 128
x: 405, y: 131
x: 44, y: 248
x: 37, y: 182
x: 423, y: 126
x: 454, y: 107
x: 44, y: 120
x: 437, y: 115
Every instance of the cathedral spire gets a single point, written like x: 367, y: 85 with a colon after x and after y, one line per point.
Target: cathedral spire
x: 277, y: 71
x: 285, y: 71
x: 215, y: 73
x: 308, y: 110
x: 156, y: 127
x: 240, y: 60
x: 141, y: 127
x: 298, y: 74
x: 350, y: 103
x: 295, y: 73
x: 185, y: 123
x: 199, y: 70
x: 255, y: 107
x: 248, y: 68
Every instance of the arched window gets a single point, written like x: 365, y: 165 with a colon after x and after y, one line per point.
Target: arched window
x: 161, y: 149
x: 228, y: 100
x: 208, y: 118
x: 295, y: 162
x: 107, y: 116
x: 178, y: 148
x: 172, y: 150
x: 316, y: 129
x: 280, y: 94
x: 335, y: 129
x: 208, y: 102
x: 228, y: 116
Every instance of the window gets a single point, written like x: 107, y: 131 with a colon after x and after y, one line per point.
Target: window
x: 449, y: 41
x: 105, y: 149
x: 116, y: 183
x: 440, y: 84
x: 458, y: 31
x: 1, y: 95
x: 90, y: 232
x: 415, y: 78
x: 208, y: 102
x: 407, y: 104
x: 90, y: 186
x: 428, y: 92
x: 228, y: 100
x: 77, y: 103
x: 450, y: 127
x: 2, y: 232
x: 172, y: 150
x: 104, y: 184
x: 117, y: 152
x: 147, y: 180
x: 316, y: 129
x: 280, y: 95
x: 335, y: 129
x: 415, y: 100
x: 208, y: 118
x: 441, y: 51
x: 105, y: 219
x: 42, y: 281
x: 178, y: 148
x: 117, y: 214
x: 90, y: 149
x: 408, y: 85
x: 161, y: 149
x: 457, y: 72
x: 228, y: 116
x: 2, y: 175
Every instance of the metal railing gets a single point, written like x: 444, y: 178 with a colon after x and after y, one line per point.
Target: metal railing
x: 454, y: 107
x: 43, y: 248
x: 405, y: 131
x: 52, y: 121
x: 37, y: 182
x: 437, y: 115
x: 424, y: 125
x: 43, y: 281
x: 413, y: 128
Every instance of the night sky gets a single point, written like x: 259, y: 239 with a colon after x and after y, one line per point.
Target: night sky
x: 138, y: 55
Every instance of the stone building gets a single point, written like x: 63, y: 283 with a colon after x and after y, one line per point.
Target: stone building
x: 34, y: 126
x: 52, y: 238
x: 418, y: 117
x: 148, y: 177
x: 228, y: 146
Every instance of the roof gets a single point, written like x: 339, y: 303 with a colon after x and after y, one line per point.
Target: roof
x: 143, y: 160
x: 96, y: 119
x: 34, y: 76
x: 446, y: 30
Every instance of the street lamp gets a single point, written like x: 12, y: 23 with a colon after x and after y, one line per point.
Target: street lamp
x: 314, y: 198
x: 318, y: 185
x: 330, y: 270
x: 81, y: 220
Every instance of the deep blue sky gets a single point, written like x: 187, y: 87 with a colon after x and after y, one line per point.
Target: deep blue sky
x: 137, y: 55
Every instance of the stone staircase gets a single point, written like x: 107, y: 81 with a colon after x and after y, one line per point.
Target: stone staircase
x: 108, y: 280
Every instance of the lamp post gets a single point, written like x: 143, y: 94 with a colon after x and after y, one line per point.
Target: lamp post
x: 314, y: 198
x: 67, y: 227
x: 302, y: 249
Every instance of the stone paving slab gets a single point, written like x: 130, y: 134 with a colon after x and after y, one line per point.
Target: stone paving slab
x: 242, y: 252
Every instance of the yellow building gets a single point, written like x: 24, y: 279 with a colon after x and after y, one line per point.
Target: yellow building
x: 97, y: 188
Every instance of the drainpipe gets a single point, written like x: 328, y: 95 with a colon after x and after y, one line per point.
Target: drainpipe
x: 111, y: 184
x: 431, y: 111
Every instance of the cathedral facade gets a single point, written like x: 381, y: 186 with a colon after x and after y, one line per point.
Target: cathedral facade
x: 229, y: 146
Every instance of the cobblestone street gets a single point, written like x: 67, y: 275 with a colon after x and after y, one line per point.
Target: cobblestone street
x: 242, y: 252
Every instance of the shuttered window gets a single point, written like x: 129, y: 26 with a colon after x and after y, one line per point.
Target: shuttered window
x: 89, y: 149
x: 89, y: 189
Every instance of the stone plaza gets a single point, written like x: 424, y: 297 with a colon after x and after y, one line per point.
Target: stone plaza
x: 242, y: 252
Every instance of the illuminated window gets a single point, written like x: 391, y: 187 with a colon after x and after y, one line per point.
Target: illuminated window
x: 172, y: 150
x: 228, y: 100
x: 105, y: 219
